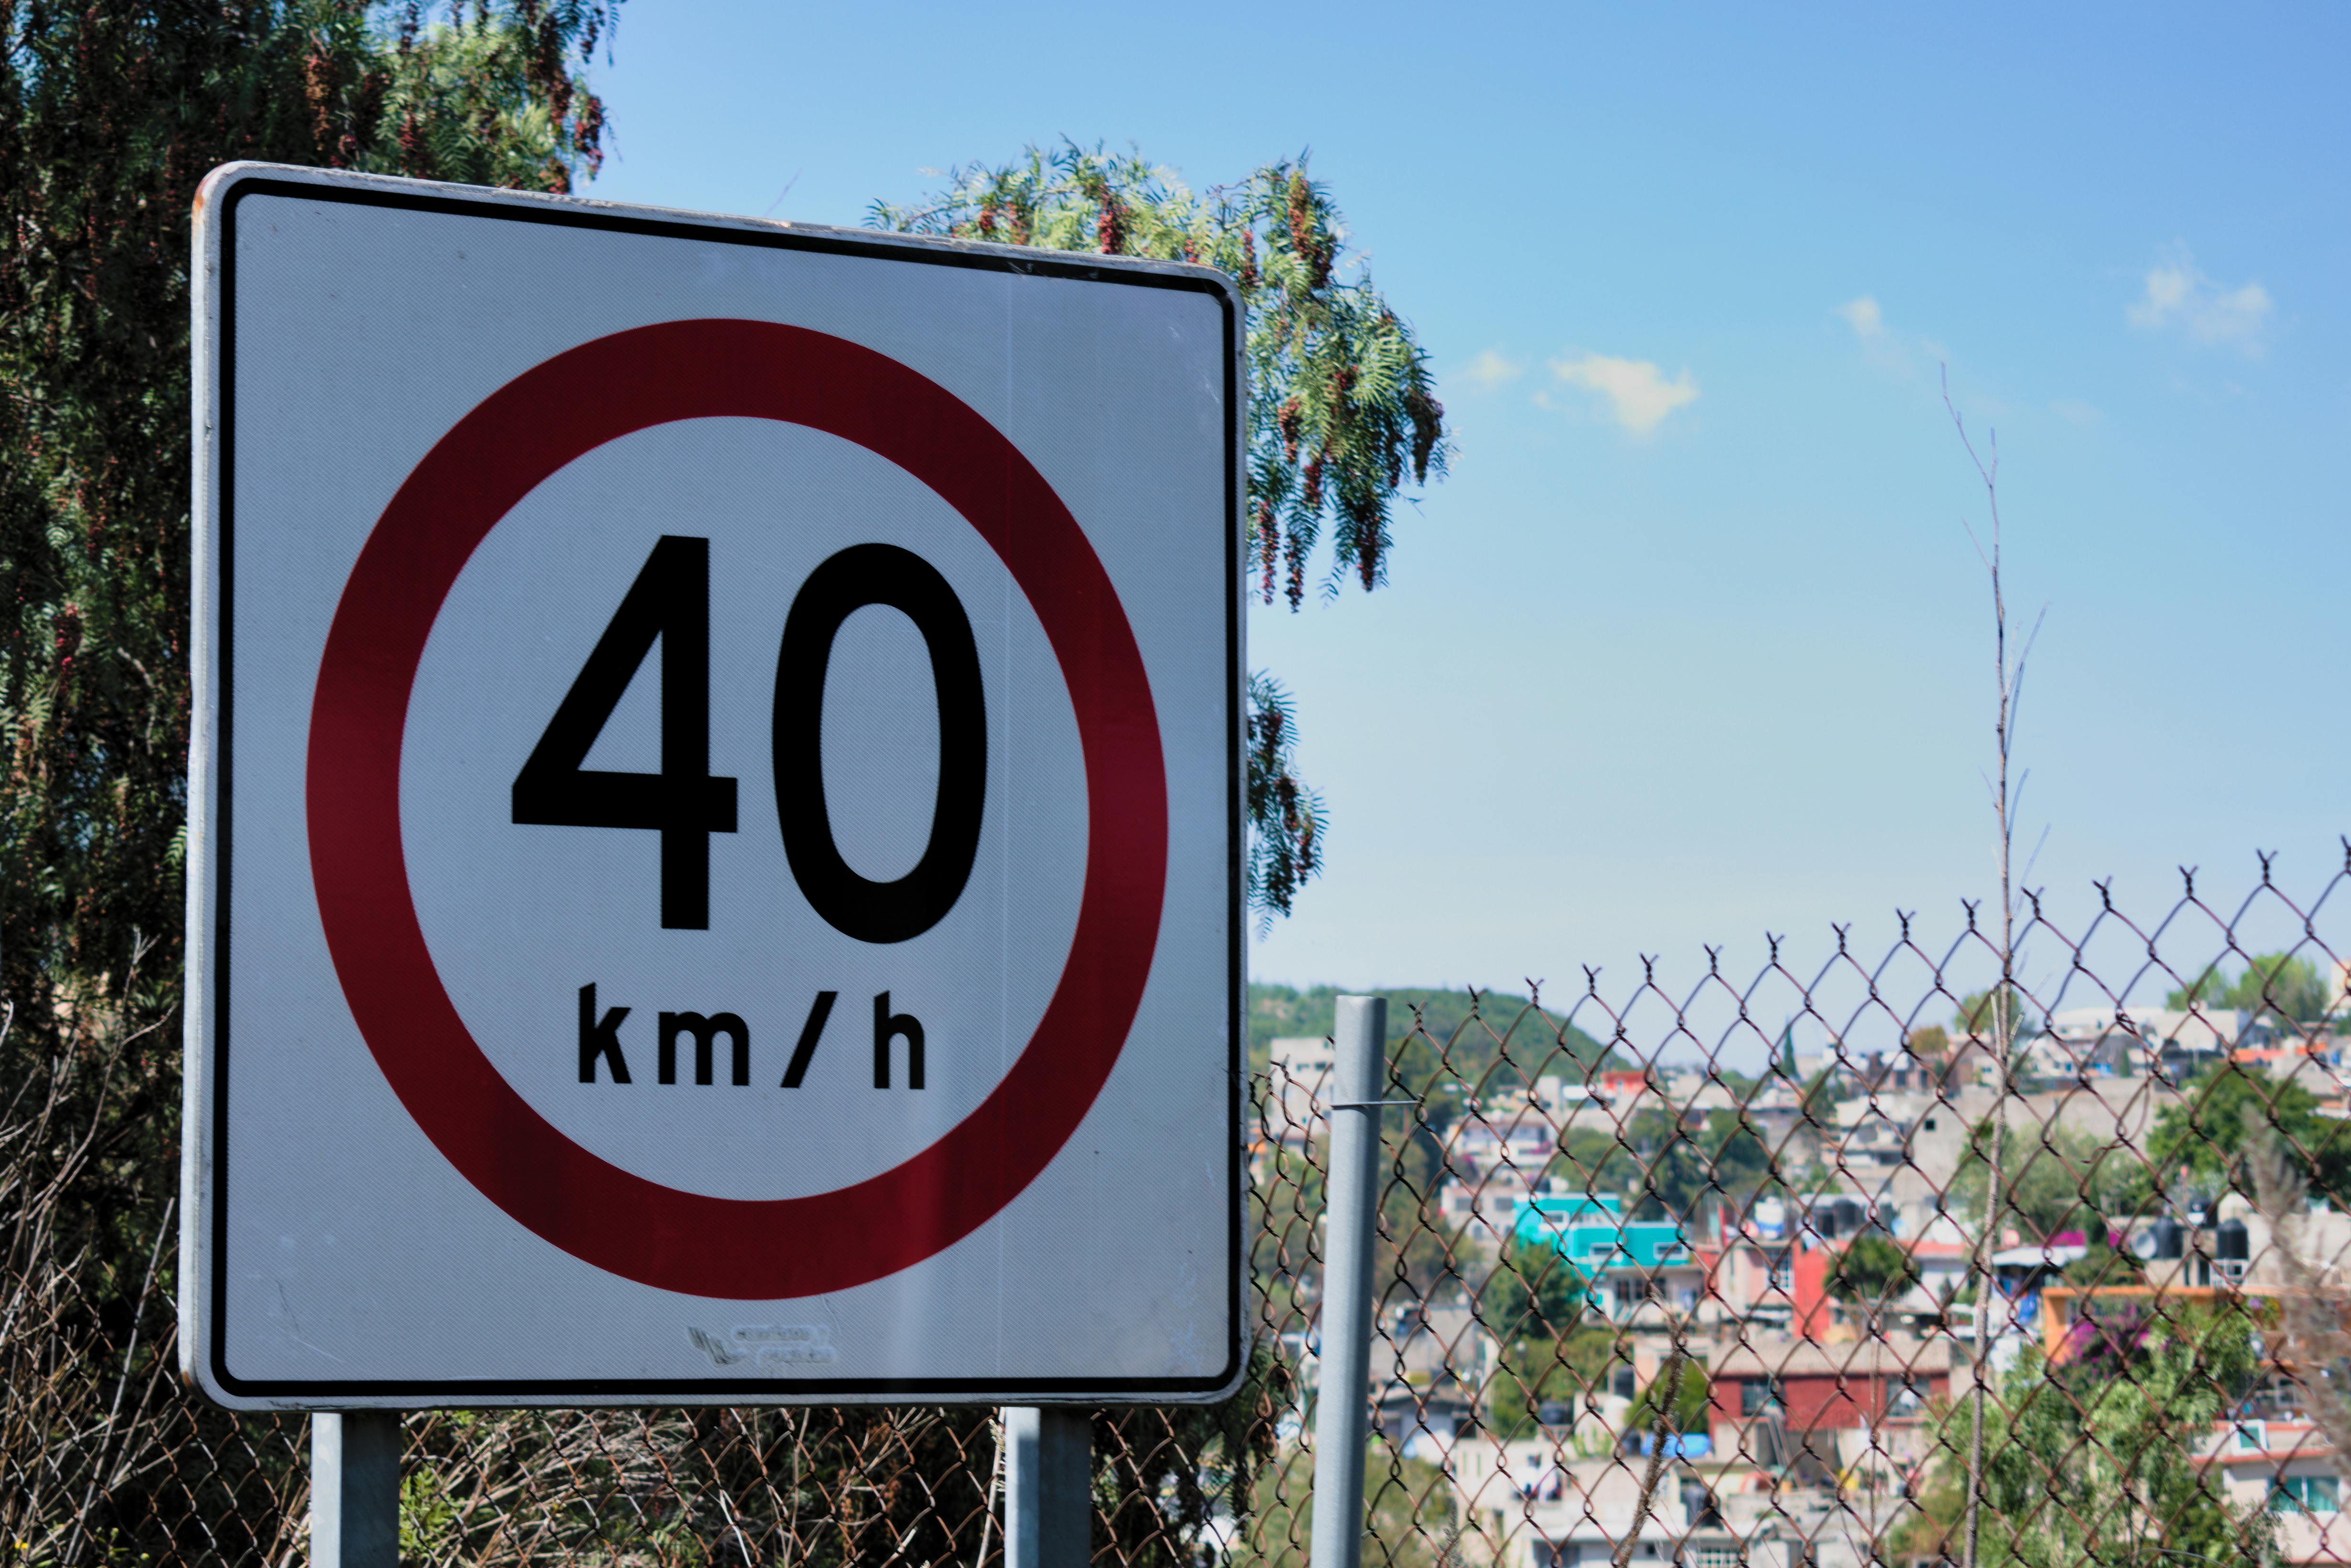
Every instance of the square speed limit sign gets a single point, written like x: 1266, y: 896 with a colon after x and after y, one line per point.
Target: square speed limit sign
x: 716, y: 811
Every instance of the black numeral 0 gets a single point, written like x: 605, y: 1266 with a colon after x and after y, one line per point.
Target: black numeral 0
x: 855, y: 905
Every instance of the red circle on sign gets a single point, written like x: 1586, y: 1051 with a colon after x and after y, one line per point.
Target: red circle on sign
x: 738, y: 1248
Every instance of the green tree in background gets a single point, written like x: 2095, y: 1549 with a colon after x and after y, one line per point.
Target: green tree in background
x: 2274, y: 985
x: 110, y: 116
x: 1676, y: 1167
x: 1533, y: 1303
x: 2053, y: 1179
x: 1534, y: 1293
x: 1929, y: 1042
x: 1871, y: 1270
x: 1342, y: 405
x: 1693, y: 1409
x: 2200, y: 1140
x: 2090, y: 1462
x: 1534, y: 1371
x: 1977, y: 1018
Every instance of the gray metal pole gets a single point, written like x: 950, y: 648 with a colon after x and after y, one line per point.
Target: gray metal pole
x: 355, y: 1489
x: 1358, y: 1077
x: 1049, y: 1513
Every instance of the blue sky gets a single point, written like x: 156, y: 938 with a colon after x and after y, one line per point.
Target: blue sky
x: 1693, y: 644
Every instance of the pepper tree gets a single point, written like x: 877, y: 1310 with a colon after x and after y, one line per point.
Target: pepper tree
x: 1342, y: 407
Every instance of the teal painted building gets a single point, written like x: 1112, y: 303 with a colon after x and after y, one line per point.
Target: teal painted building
x: 1591, y: 1231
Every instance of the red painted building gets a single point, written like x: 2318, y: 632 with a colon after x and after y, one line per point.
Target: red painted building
x: 1828, y: 1403
x: 1629, y: 1083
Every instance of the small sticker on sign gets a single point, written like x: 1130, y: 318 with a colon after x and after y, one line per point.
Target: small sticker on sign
x: 767, y: 1345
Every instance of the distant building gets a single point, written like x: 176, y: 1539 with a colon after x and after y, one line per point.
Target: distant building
x: 2124, y: 1040
x: 1483, y: 1141
x: 1627, y: 1262
x: 1299, y: 1068
x: 1629, y: 1083
x: 2290, y: 1467
x: 1486, y: 1207
x: 1831, y: 1407
x: 1526, y: 1505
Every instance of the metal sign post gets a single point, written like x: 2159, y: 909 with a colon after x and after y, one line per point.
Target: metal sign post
x: 1358, y: 1077
x: 355, y: 1489
x: 715, y: 843
x: 1049, y: 1511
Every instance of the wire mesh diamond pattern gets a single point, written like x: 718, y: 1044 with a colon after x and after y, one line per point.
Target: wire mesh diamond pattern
x: 1901, y: 1251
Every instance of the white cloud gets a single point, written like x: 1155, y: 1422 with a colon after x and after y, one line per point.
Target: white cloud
x: 1638, y: 394
x: 1863, y: 315
x: 2179, y: 293
x: 1491, y: 368
x: 2073, y: 411
x: 1902, y: 355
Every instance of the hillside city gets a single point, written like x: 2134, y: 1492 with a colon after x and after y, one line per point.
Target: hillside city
x: 1537, y: 1294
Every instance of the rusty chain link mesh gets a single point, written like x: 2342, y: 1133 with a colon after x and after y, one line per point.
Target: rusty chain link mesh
x: 1678, y: 1270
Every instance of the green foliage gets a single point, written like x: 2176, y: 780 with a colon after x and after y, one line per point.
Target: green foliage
x: 1979, y: 1017
x: 1341, y: 406
x: 2199, y: 1141
x: 1410, y: 1517
x: 2053, y: 1179
x: 1675, y: 1168
x: 1870, y: 1270
x: 2103, y: 1266
x: 1485, y: 1041
x: 2275, y: 984
x: 1534, y: 1371
x: 1288, y: 819
x: 1693, y: 1407
x: 1931, y: 1043
x: 1669, y: 1169
x: 1534, y: 1293
x: 2089, y: 1464
x: 1419, y: 1254
x: 1286, y: 1202
x: 110, y: 116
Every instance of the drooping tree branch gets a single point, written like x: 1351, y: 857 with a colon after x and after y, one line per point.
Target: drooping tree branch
x: 1342, y: 413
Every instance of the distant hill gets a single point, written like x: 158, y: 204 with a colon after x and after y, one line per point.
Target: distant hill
x: 1536, y: 1045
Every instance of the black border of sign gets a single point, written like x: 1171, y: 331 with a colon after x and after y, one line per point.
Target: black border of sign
x: 715, y: 1390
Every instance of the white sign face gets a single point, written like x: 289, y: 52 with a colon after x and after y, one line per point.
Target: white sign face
x: 716, y: 811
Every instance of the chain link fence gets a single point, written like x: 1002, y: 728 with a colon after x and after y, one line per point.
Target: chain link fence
x: 1877, y: 1261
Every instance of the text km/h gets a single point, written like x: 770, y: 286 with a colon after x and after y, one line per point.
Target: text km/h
x: 600, y: 1043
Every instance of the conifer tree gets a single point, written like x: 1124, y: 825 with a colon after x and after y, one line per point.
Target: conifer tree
x: 110, y: 116
x: 1341, y: 406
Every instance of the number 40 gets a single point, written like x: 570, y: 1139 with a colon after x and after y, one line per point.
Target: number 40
x: 685, y: 804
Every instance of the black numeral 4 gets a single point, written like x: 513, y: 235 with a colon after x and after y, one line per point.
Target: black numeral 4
x: 670, y: 601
